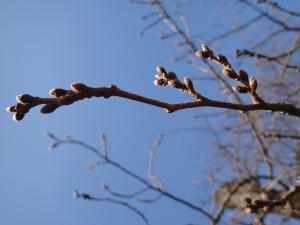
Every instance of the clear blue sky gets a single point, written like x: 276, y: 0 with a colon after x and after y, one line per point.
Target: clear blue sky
x: 46, y: 44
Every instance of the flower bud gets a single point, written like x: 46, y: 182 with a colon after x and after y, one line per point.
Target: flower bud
x: 226, y: 71
x: 205, y: 48
x: 18, y: 116
x: 253, y: 83
x: 58, y: 92
x: 80, y: 87
x: 223, y: 60
x: 19, y: 107
x: 170, y: 76
x: 161, y: 70
x: 188, y: 83
x: 243, y: 75
x: 49, y: 108
x: 202, y: 54
x: 11, y: 108
x: 239, y: 89
x: 25, y: 98
x: 159, y: 82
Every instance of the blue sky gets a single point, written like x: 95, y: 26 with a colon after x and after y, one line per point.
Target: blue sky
x: 46, y: 44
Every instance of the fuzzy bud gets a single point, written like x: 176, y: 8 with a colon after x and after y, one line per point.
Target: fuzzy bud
x: 188, y: 83
x: 223, y: 60
x: 201, y: 54
x: 158, y: 76
x: 243, y: 75
x: 18, y: 116
x: 19, y: 107
x: 11, y: 108
x: 253, y: 83
x: 226, y: 71
x: 58, y: 92
x: 239, y: 89
x: 25, y: 98
x: 205, y: 48
x: 159, y: 82
x: 174, y: 83
x: 161, y: 70
x: 79, y: 87
x: 170, y: 76
x: 206, y: 52
x: 49, y: 108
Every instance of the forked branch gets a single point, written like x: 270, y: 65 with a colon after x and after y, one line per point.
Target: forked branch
x: 79, y: 91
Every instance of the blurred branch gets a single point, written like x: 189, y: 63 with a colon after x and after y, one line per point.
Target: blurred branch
x: 276, y: 5
x: 236, y: 30
x: 257, y: 55
x: 270, y: 17
x: 152, y: 152
x: 277, y: 135
x: 131, y: 174
x: 118, y: 202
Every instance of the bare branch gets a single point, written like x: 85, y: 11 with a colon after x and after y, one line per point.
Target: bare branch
x: 118, y: 202
x: 275, y: 5
x: 138, y: 178
x: 257, y: 55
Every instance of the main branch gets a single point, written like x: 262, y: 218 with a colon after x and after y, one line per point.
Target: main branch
x: 80, y: 91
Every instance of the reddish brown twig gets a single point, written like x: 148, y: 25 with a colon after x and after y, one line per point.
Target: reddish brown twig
x: 79, y: 91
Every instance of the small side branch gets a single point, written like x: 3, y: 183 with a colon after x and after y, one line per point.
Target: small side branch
x: 275, y: 5
x: 118, y: 202
x: 275, y: 59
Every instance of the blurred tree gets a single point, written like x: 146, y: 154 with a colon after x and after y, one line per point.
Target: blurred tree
x: 257, y: 140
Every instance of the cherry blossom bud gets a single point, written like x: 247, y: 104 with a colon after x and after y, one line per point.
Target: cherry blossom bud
x: 80, y: 87
x: 25, y: 98
x: 18, y: 116
x: 188, y: 83
x: 243, y: 75
x: 253, y: 83
x: 239, y: 89
x: 49, y: 108
x: 58, y: 92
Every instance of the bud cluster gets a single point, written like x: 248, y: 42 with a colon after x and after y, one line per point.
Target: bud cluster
x: 205, y: 53
x: 61, y: 97
x: 24, y: 103
x: 246, y: 85
x: 164, y: 78
x: 170, y: 78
